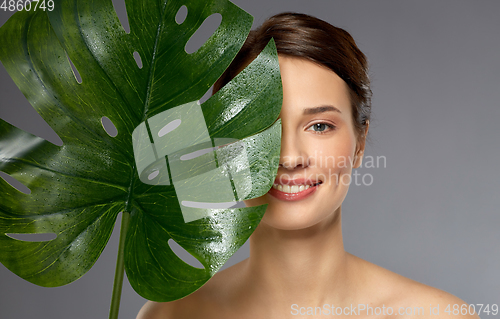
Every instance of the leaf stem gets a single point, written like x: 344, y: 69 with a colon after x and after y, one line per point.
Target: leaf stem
x: 119, y: 272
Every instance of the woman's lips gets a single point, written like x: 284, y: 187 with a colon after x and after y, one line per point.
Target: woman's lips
x: 283, y: 180
x: 293, y: 196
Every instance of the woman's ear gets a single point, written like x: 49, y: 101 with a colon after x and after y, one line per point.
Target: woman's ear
x: 360, y: 147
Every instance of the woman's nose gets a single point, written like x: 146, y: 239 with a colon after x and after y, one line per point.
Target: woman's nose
x: 293, y: 154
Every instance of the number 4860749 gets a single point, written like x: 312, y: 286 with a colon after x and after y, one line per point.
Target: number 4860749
x: 472, y: 309
x: 28, y: 5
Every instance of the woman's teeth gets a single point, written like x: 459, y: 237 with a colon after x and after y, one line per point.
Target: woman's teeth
x: 290, y: 188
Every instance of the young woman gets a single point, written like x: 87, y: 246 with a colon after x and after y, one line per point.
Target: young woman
x: 297, y: 264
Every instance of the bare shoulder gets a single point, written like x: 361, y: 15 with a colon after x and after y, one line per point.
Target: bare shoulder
x: 210, y: 299
x: 182, y: 308
x: 190, y: 306
x: 154, y: 310
x: 414, y: 299
x: 443, y: 305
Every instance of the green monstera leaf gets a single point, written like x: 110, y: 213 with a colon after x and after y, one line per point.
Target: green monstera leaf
x: 78, y: 189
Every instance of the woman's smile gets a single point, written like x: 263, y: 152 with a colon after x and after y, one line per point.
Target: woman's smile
x: 295, y: 189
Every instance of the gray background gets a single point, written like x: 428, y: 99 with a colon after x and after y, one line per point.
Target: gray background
x: 431, y: 214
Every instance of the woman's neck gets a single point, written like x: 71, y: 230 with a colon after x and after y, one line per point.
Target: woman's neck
x: 307, y: 267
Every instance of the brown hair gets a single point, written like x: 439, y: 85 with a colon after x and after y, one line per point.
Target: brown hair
x: 303, y: 36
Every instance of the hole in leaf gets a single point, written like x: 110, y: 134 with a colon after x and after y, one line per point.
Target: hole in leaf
x: 184, y: 254
x: 54, y: 138
x: 239, y: 205
x: 153, y: 175
x: 15, y: 183
x: 34, y: 237
x: 223, y: 205
x: 204, y: 32
x: 75, y: 71
x: 108, y: 126
x: 181, y: 15
x: 138, y: 59
x: 16, y: 110
x: 169, y: 127
x: 198, y: 153
x: 121, y: 12
x: 207, y: 95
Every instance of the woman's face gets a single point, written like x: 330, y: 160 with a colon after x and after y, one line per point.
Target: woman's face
x: 318, y: 147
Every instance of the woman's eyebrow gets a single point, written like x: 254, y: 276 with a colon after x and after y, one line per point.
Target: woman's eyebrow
x: 321, y: 109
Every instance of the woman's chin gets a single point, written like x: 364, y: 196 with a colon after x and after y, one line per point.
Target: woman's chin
x: 291, y: 215
x: 289, y: 222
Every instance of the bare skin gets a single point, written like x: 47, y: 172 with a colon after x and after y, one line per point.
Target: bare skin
x: 297, y: 257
